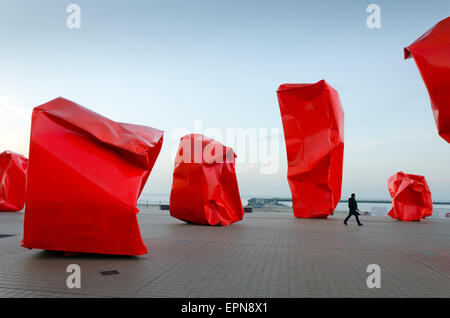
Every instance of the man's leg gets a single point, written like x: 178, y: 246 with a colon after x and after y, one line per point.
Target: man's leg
x: 357, y: 219
x: 346, y: 219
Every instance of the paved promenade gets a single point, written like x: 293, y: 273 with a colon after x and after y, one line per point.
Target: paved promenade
x: 266, y: 255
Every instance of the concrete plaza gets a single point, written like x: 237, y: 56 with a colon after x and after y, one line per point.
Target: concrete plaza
x: 268, y: 254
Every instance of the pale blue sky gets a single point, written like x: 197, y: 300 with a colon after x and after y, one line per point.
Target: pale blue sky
x: 168, y: 63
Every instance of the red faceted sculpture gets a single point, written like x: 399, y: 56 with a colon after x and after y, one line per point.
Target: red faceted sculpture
x: 313, y: 123
x: 432, y: 55
x: 85, y: 175
x: 205, y: 188
x: 13, y: 181
x: 411, y: 197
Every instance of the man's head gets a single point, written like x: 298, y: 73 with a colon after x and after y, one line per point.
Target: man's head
x: 353, y: 195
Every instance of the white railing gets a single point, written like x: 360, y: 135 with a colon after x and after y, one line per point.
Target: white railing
x: 148, y: 203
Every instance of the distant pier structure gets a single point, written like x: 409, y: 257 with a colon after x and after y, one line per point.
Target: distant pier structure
x: 262, y: 202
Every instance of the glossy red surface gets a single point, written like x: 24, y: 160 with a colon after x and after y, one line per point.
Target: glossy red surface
x: 205, y: 188
x: 313, y: 123
x: 13, y: 181
x: 411, y: 197
x: 432, y: 55
x: 85, y: 175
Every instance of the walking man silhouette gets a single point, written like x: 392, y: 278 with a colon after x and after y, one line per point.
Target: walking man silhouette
x: 353, y: 209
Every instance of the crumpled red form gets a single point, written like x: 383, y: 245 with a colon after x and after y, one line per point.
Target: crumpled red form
x: 313, y: 124
x: 411, y: 197
x: 85, y: 175
x: 432, y: 55
x: 13, y: 181
x: 205, y: 188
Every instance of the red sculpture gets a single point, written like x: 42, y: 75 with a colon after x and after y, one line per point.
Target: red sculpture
x: 313, y: 123
x: 13, y: 181
x: 432, y: 55
x: 85, y: 175
x: 205, y: 188
x: 411, y: 197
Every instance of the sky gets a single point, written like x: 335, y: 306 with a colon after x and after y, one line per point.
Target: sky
x: 168, y: 64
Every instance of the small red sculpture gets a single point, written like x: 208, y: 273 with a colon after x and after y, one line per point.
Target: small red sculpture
x: 411, y: 197
x: 205, y: 188
x: 13, y: 181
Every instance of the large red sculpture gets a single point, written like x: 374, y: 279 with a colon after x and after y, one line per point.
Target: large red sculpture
x: 85, y: 175
x: 313, y: 123
x: 432, y: 55
x: 13, y: 181
x: 205, y: 188
x: 411, y: 197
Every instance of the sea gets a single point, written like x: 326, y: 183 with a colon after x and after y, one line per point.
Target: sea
x: 441, y: 211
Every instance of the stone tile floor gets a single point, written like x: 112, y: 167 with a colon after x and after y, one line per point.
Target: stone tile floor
x: 265, y: 255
